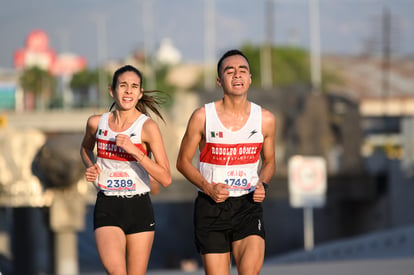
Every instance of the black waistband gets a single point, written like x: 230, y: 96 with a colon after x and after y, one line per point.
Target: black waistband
x: 100, y: 193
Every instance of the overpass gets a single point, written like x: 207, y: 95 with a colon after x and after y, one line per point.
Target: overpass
x: 75, y: 120
x: 392, y: 106
x: 62, y: 121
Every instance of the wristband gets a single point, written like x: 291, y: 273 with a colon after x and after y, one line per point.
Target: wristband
x: 266, y: 186
x: 143, y: 155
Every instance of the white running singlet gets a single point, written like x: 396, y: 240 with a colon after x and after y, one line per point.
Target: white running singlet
x: 121, y: 174
x: 232, y: 157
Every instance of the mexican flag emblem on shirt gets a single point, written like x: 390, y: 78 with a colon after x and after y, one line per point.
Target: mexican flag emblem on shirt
x: 216, y: 134
x: 102, y: 132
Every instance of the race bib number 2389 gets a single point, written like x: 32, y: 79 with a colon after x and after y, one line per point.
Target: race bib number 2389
x: 116, y: 181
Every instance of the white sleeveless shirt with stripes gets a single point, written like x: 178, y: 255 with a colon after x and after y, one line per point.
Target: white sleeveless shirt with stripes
x: 232, y: 157
x: 121, y: 174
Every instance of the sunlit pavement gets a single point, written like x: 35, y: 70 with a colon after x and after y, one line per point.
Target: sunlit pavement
x: 403, y: 266
x: 388, y: 252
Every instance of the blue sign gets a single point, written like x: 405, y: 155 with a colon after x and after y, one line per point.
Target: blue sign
x: 7, y: 96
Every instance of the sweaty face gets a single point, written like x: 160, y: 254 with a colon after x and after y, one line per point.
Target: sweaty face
x: 235, y: 74
x: 128, y: 90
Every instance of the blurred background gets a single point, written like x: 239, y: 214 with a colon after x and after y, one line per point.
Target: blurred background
x: 338, y: 75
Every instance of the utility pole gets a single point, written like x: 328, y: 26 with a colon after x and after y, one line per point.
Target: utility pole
x: 148, y: 24
x: 67, y: 95
x: 386, y: 52
x: 209, y: 44
x: 266, y: 53
x: 100, y: 21
x: 315, y: 46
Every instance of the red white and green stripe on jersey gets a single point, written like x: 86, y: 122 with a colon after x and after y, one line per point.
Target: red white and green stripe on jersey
x: 232, y: 157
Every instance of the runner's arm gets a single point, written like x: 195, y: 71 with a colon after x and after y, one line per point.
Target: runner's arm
x: 194, y: 137
x: 159, y: 167
x: 87, y: 147
x: 268, y: 151
x: 268, y: 155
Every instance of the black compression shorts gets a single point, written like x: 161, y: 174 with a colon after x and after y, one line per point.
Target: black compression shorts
x: 132, y: 214
x: 217, y: 225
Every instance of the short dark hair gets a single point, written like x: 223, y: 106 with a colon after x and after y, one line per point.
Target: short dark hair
x: 228, y: 54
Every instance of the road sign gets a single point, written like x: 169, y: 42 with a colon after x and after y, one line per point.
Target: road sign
x: 307, y: 181
x: 307, y: 189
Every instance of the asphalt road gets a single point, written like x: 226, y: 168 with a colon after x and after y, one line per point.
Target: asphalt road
x: 366, y: 267
x: 397, y: 266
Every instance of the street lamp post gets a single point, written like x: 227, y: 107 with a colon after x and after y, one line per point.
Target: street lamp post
x: 315, y: 46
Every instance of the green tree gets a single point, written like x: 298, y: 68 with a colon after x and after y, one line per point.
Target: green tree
x: 83, y: 81
x: 289, y: 65
x: 102, y: 79
x: 38, y: 86
x: 80, y: 84
x: 162, y: 84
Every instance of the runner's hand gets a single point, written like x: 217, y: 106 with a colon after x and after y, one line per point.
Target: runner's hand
x: 260, y: 193
x: 219, y: 192
x: 92, y: 172
x: 125, y: 143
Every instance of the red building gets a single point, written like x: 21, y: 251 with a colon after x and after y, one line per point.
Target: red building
x: 37, y: 52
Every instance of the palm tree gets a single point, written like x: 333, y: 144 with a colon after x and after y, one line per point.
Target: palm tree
x: 38, y: 86
x: 80, y: 84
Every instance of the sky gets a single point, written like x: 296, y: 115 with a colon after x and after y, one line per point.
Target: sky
x: 112, y: 29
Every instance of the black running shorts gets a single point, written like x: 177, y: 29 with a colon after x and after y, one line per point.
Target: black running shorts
x: 132, y: 215
x: 217, y: 225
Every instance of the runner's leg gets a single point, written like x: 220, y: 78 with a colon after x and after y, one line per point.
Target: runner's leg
x: 249, y: 254
x: 138, y: 251
x: 110, y: 242
x: 216, y: 263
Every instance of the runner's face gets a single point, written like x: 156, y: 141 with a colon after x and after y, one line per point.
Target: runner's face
x: 235, y: 75
x: 128, y: 91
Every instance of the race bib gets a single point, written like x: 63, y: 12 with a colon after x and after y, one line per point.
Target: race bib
x: 236, y: 179
x: 113, y: 181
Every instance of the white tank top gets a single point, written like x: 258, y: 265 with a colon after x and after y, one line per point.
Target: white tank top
x: 121, y: 174
x: 232, y: 157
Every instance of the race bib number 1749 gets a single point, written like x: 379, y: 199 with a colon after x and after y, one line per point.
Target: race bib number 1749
x: 235, y: 179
